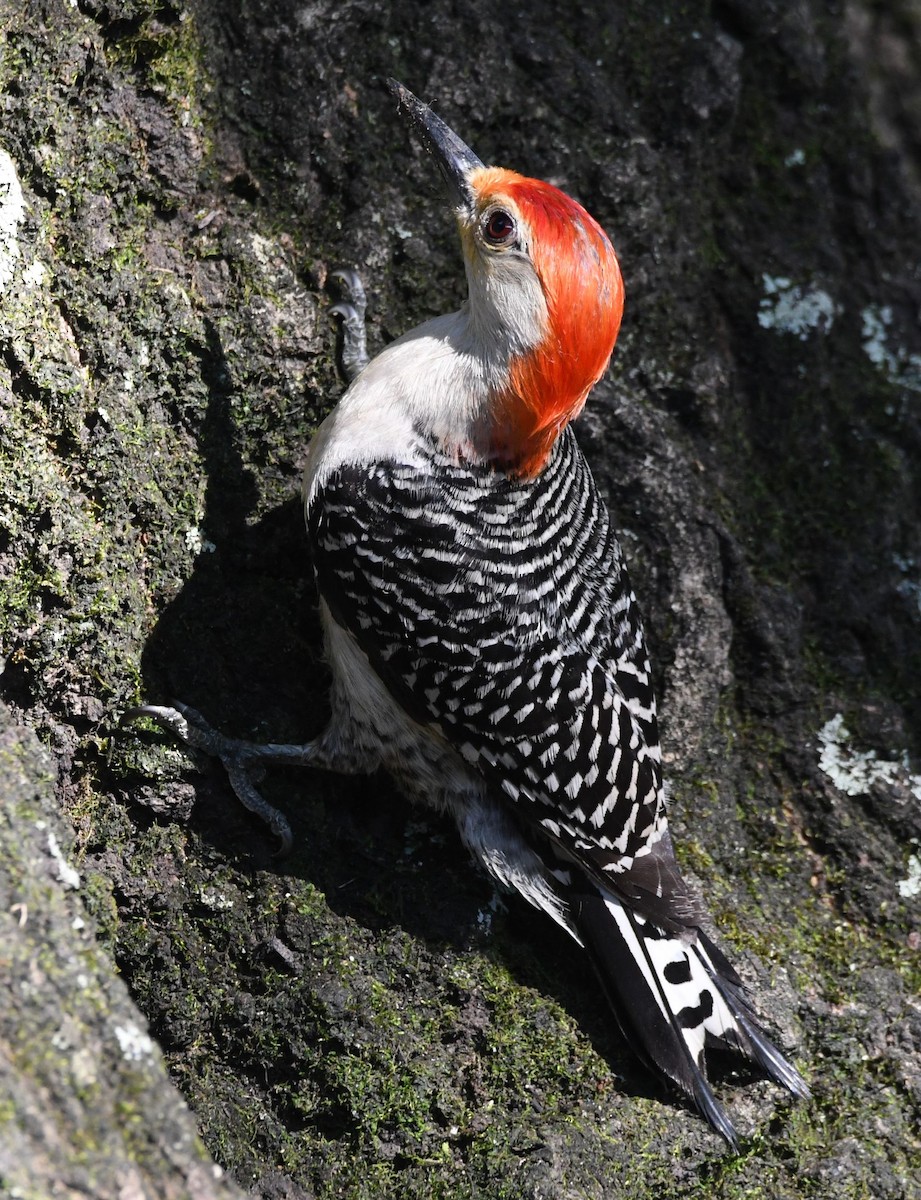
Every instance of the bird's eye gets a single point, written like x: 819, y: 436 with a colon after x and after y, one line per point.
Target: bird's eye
x: 499, y: 227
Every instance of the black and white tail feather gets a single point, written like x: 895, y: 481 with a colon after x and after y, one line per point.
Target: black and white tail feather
x: 676, y: 995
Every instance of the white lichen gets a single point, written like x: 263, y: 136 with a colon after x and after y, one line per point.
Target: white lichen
x: 911, y: 887
x: 899, y: 367
x: 12, y: 211
x: 791, y: 308
x: 854, y: 772
x: 196, y: 543
x: 35, y: 274
x: 212, y: 898
x: 134, y: 1043
x: 264, y: 250
x: 66, y: 873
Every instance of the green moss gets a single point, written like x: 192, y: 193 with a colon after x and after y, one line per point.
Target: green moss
x: 165, y: 48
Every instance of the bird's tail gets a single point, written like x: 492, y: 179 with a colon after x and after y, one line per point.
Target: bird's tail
x: 675, y: 994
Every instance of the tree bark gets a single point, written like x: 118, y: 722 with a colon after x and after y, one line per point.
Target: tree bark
x: 365, y: 1018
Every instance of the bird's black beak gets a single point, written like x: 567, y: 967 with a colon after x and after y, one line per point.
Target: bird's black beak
x: 455, y: 159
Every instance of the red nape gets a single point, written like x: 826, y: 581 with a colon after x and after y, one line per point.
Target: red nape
x: 584, y: 293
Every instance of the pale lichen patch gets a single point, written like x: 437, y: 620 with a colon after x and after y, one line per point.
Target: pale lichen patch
x: 897, y: 364
x: 789, y: 307
x: 855, y: 772
x: 911, y: 887
x: 67, y: 874
x: 12, y: 211
x: 134, y: 1043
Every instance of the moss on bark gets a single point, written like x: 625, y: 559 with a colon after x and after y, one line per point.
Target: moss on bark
x: 364, y: 1019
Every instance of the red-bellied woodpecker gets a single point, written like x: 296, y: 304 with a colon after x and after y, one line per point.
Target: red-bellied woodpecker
x: 484, y: 640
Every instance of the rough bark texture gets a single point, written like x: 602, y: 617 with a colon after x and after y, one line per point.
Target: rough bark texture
x: 362, y: 1019
x: 86, y: 1107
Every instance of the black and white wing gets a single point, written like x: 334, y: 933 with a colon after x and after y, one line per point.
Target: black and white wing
x: 499, y: 611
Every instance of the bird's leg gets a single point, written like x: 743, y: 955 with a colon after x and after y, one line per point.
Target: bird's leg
x: 239, y: 757
x: 354, y: 356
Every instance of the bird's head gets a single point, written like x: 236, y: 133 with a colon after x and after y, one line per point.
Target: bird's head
x: 546, y: 294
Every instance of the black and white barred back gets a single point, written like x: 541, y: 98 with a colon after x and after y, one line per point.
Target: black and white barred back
x: 500, y: 610
x: 498, y: 614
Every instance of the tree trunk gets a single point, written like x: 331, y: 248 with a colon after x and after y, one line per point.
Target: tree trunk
x: 365, y: 1018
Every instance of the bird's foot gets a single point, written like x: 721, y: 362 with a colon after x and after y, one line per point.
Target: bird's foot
x: 240, y: 758
x: 351, y: 308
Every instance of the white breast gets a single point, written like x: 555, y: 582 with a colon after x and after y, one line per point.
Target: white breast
x: 431, y: 380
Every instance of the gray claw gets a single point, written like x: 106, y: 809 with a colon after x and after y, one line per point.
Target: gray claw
x: 348, y: 312
x: 250, y: 798
x: 353, y: 287
x: 238, y: 757
x: 187, y: 724
x: 354, y: 355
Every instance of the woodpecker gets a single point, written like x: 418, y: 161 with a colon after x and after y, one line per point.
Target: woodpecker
x: 485, y: 643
